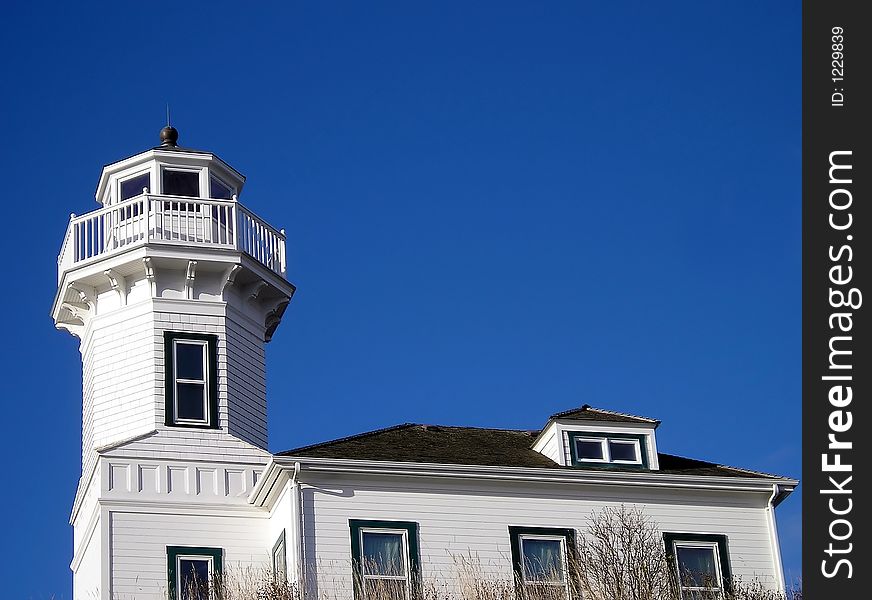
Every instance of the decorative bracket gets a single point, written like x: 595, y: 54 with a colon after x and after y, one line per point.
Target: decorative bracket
x: 190, y: 274
x: 253, y: 291
x: 80, y: 310
x: 149, y: 275
x: 230, y: 277
x: 273, y: 318
x: 118, y: 284
x: 87, y: 295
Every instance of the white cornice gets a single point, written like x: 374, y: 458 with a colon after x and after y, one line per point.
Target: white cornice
x: 654, y: 479
x: 84, y: 484
x: 184, y: 508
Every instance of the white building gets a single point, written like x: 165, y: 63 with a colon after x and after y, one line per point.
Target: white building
x: 173, y: 287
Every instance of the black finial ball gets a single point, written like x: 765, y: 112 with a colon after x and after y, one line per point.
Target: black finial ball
x: 169, y: 136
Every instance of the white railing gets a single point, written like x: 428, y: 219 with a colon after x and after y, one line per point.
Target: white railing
x: 171, y: 220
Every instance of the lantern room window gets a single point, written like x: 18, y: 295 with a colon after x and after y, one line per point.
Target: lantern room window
x: 181, y: 183
x: 219, y: 190
x: 134, y: 186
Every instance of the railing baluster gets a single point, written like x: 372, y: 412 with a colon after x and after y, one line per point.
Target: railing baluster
x: 193, y: 221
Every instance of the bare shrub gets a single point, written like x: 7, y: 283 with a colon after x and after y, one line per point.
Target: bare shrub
x: 621, y: 557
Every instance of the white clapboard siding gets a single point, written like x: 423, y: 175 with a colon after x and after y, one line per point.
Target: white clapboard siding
x: 118, y: 379
x: 281, y: 521
x: 551, y: 448
x: 190, y: 445
x: 124, y: 383
x: 139, y: 541
x: 86, y: 567
x: 241, y: 371
x: 471, y: 519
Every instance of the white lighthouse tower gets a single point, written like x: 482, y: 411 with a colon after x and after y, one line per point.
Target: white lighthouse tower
x: 172, y: 287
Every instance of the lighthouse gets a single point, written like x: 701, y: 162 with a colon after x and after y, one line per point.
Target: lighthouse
x: 173, y: 287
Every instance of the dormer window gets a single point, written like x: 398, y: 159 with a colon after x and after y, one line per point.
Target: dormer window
x: 602, y: 449
x: 181, y: 183
x: 624, y: 451
x: 133, y: 186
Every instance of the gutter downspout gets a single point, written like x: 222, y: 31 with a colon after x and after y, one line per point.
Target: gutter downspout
x: 296, y: 525
x: 773, y: 535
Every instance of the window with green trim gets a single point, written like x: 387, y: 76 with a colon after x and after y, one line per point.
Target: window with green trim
x: 191, y: 380
x: 701, y: 564
x: 280, y: 558
x: 592, y: 449
x: 385, y: 559
x: 542, y: 561
x: 192, y: 571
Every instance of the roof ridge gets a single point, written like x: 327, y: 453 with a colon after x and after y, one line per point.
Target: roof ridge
x: 478, y: 428
x: 364, y: 434
x: 347, y: 438
x: 588, y: 407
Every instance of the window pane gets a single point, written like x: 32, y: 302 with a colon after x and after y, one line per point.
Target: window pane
x: 194, y: 579
x: 190, y: 404
x: 280, y: 565
x: 382, y: 554
x: 623, y: 451
x: 133, y: 186
x: 218, y: 190
x: 591, y: 450
x: 543, y: 560
x: 181, y: 183
x: 189, y: 361
x: 697, y: 566
x: 385, y: 589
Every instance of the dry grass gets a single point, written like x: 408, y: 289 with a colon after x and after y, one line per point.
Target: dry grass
x: 467, y: 584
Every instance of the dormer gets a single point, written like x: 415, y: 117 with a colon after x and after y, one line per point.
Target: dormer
x: 594, y: 438
x: 169, y: 170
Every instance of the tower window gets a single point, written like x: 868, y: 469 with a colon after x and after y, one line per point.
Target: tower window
x: 133, y: 187
x: 181, y: 183
x: 219, y: 190
x: 193, y: 572
x: 191, y: 385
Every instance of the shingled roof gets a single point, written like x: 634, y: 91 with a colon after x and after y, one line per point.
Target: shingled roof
x: 590, y: 413
x: 439, y: 444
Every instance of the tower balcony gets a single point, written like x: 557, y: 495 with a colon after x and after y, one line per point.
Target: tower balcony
x: 151, y: 219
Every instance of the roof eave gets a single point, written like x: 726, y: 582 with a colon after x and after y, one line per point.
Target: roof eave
x: 649, y: 478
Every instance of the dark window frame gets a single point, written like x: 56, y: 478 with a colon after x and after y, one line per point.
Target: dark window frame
x: 211, y: 383
x: 129, y: 179
x: 281, y: 542
x: 172, y: 169
x: 173, y: 552
x: 670, y: 539
x: 644, y: 463
x: 230, y: 188
x: 515, y: 535
x: 413, y: 551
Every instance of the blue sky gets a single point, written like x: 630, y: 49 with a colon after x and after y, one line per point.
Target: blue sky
x: 494, y: 212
